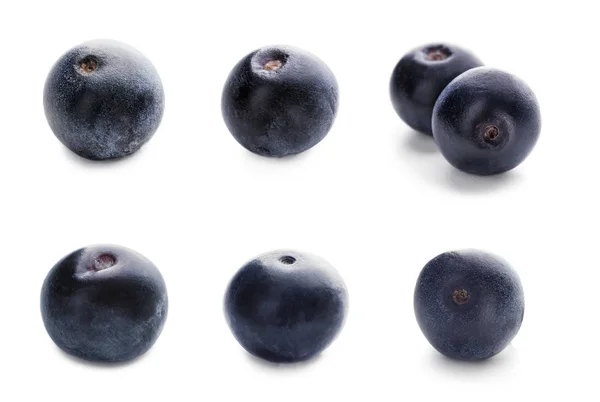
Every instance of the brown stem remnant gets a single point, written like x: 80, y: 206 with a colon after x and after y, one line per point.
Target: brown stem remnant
x: 460, y: 296
x: 104, y: 261
x: 436, y: 55
x: 490, y: 133
x: 272, y: 65
x: 88, y: 66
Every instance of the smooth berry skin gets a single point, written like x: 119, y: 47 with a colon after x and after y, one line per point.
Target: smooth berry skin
x: 486, y: 121
x: 469, y: 304
x: 103, y: 100
x: 420, y: 77
x: 279, y: 101
x: 104, y: 303
x: 286, y: 306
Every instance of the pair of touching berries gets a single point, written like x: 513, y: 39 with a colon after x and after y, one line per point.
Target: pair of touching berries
x: 109, y: 303
x: 483, y: 120
x: 104, y: 100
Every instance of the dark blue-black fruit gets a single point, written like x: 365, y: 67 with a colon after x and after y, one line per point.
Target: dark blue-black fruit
x: 104, y: 303
x: 421, y: 76
x: 286, y: 306
x: 486, y: 121
x: 103, y: 99
x: 469, y: 304
x: 279, y: 101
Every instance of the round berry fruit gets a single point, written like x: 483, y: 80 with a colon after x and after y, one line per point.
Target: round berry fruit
x: 421, y: 75
x: 286, y: 306
x: 103, y: 100
x: 104, y: 303
x: 469, y: 304
x: 279, y: 101
x: 486, y: 121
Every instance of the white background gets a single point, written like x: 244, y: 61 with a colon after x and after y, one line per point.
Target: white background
x: 374, y: 198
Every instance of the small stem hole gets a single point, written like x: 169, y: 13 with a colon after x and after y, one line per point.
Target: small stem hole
x: 460, y: 296
x: 273, y: 65
x: 287, y: 260
x: 104, y: 261
x: 437, y: 53
x: 88, y: 65
x: 490, y: 133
